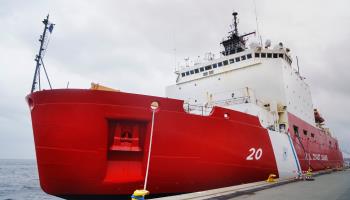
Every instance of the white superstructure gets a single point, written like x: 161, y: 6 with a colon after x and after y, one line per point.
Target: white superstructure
x: 259, y: 81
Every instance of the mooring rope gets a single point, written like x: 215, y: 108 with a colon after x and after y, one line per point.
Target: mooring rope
x: 149, y: 150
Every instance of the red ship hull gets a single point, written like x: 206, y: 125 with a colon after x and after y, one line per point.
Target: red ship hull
x: 315, y: 149
x: 92, y: 142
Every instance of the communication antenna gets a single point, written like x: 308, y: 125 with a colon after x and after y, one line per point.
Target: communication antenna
x: 174, y: 43
x: 257, y: 23
x: 297, y: 64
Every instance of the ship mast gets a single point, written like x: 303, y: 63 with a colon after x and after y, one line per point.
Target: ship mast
x: 234, y: 43
x: 38, y: 59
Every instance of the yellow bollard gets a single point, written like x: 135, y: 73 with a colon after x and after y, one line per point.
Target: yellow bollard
x: 308, y: 176
x: 271, y: 178
x: 139, y: 194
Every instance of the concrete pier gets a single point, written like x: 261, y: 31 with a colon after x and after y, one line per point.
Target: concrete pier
x: 331, y: 185
x: 335, y: 186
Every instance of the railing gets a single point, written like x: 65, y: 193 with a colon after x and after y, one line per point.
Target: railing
x: 233, y: 101
x: 239, y: 96
x: 198, y: 109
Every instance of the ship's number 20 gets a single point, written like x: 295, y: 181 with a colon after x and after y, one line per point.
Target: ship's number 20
x: 254, y: 154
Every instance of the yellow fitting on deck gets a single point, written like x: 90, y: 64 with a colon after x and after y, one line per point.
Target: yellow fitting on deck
x: 96, y: 86
x: 271, y: 178
x: 309, y: 172
x: 139, y: 194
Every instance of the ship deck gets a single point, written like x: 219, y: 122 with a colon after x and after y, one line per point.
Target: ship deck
x: 326, y: 185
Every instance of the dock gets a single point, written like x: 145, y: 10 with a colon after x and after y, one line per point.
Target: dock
x: 326, y: 185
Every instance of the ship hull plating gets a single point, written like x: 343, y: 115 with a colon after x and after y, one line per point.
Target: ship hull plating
x: 96, y: 143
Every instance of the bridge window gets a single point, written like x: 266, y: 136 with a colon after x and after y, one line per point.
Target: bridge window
x: 280, y: 55
x: 187, y: 73
x: 263, y: 55
x: 183, y: 74
x: 257, y: 55
x: 208, y: 67
x: 269, y: 55
x: 275, y: 55
x: 196, y: 71
x: 232, y: 61
x: 215, y: 65
x: 243, y: 57
x: 225, y: 62
x: 249, y: 56
x: 238, y: 59
x: 201, y: 69
x: 192, y: 72
x: 220, y: 64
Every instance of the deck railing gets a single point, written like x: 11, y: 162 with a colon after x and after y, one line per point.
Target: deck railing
x: 239, y: 96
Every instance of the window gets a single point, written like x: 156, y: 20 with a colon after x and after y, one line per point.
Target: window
x: 263, y: 55
x: 187, y: 73
x: 275, y: 55
x: 215, y: 65
x: 225, y: 62
x: 201, y: 69
x: 312, y: 135
x: 192, y: 72
x: 249, y: 56
x: 238, y: 59
x: 269, y: 55
x: 243, y: 57
x: 183, y: 74
x: 232, y: 61
x: 296, y: 130
x: 196, y: 71
x: 280, y: 55
x: 305, y: 132
x: 257, y: 55
x: 208, y: 67
x: 220, y: 64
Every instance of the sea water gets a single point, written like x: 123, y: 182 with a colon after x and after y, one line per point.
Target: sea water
x: 19, y: 181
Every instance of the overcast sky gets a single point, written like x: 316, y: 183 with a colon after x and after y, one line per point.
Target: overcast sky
x: 129, y: 45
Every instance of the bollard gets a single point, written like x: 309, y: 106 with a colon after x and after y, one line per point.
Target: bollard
x: 308, y: 176
x: 271, y: 178
x: 139, y: 194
